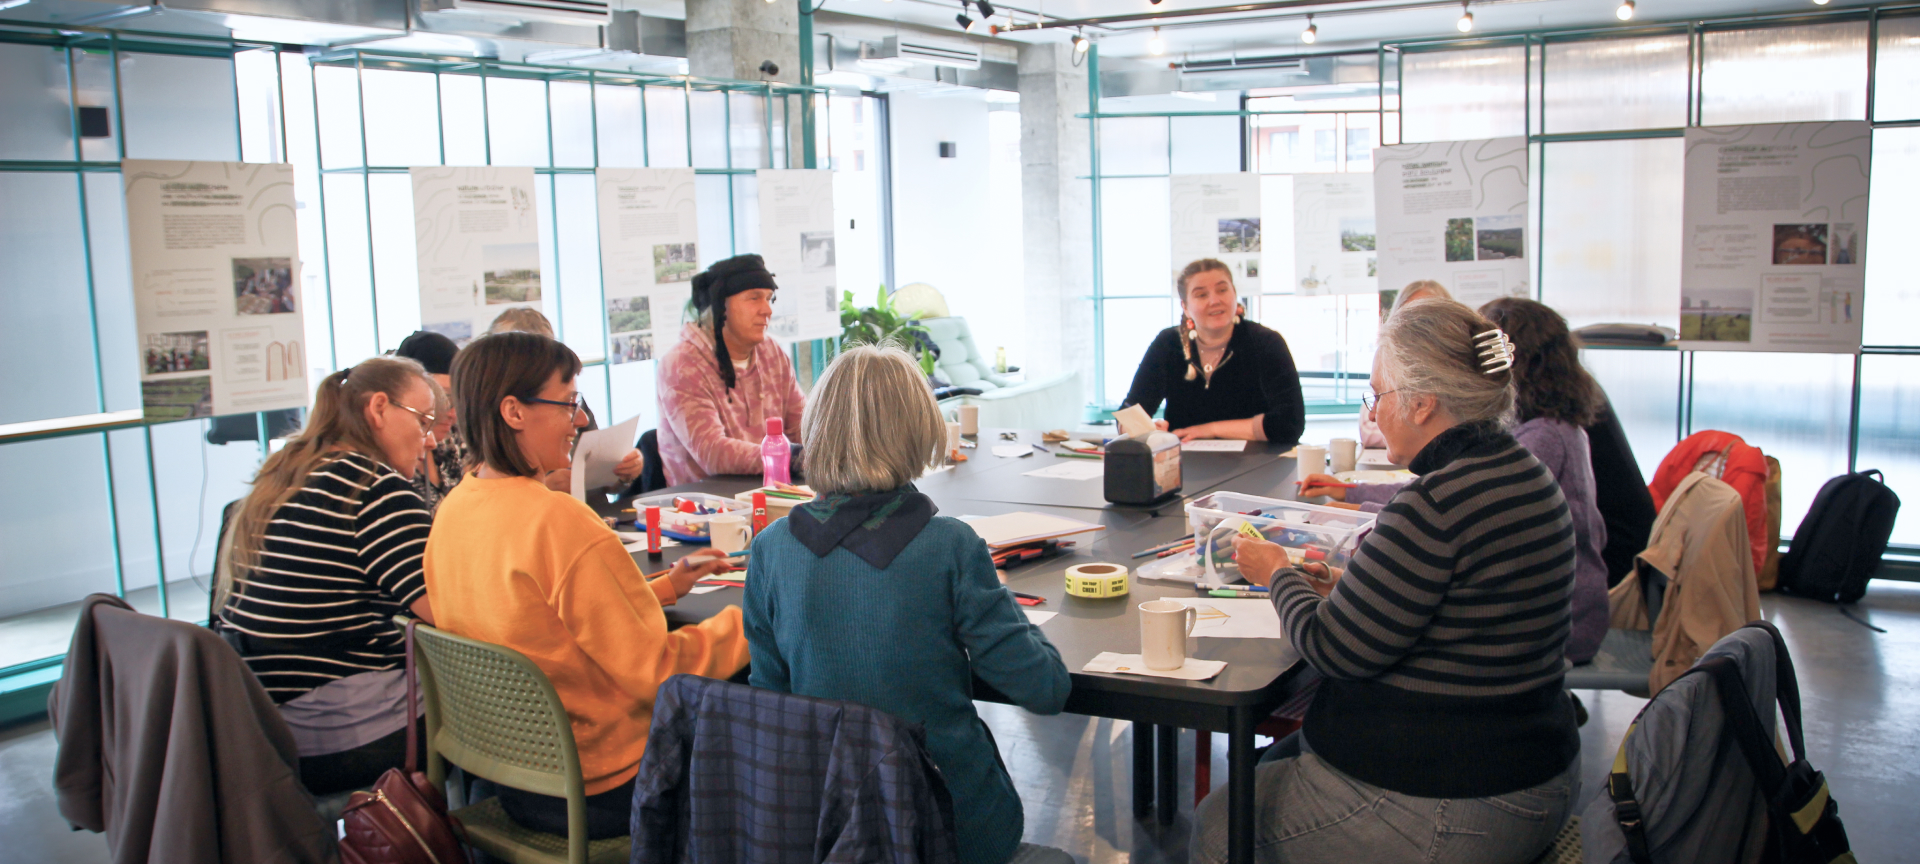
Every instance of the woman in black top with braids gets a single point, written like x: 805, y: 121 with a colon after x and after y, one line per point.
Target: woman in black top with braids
x: 1221, y: 376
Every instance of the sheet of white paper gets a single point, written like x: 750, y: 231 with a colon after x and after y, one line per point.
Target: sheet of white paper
x: 705, y: 589
x: 1071, y: 469
x: 599, y: 452
x: 1233, y: 619
x: 1131, y: 664
x: 1374, y: 457
x: 1011, y: 451
x: 636, y: 541
x: 1214, y: 445
x: 1016, y: 527
x: 1038, y: 617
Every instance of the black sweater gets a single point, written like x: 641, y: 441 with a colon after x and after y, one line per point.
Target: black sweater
x: 1621, y: 493
x: 1255, y: 376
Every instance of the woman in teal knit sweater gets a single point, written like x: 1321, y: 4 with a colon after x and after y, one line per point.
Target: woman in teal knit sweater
x: 865, y: 595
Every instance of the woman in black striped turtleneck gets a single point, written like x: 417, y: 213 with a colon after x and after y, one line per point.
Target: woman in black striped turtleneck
x: 1441, y: 732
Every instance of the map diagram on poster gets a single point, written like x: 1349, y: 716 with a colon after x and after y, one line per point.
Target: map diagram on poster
x: 648, y: 257
x: 796, y: 239
x: 1334, y: 246
x: 1454, y: 212
x: 478, y: 242
x: 1218, y: 216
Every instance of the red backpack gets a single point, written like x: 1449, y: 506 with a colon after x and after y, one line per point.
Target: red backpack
x: 1726, y: 456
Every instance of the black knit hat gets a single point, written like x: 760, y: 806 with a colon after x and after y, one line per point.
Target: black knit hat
x: 711, y: 290
x: 431, y: 350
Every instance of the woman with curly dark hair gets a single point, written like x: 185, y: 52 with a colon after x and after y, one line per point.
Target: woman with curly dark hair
x: 1555, y: 399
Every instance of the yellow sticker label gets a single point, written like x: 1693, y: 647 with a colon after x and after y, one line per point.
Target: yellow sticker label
x: 1248, y: 531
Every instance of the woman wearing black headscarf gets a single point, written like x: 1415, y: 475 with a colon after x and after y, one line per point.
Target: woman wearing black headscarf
x: 724, y: 380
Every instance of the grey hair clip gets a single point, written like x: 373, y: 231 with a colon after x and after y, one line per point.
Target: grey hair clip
x: 1496, y: 351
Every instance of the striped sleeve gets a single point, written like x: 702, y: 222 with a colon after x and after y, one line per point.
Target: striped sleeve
x: 391, y: 531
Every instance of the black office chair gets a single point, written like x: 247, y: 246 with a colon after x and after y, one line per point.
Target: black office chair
x: 652, y: 476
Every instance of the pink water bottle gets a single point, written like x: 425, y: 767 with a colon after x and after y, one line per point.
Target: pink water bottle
x: 774, y: 453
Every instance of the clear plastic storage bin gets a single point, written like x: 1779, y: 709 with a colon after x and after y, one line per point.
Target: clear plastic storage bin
x: 1309, y: 532
x: 686, y: 527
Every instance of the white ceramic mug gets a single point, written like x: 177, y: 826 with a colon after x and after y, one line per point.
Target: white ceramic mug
x: 1164, y: 628
x: 953, y: 438
x: 969, y: 420
x: 1313, y: 460
x: 728, y: 532
x: 1345, y: 453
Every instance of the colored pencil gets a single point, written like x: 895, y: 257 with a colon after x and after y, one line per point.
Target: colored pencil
x: 1079, y: 455
x: 1162, y: 547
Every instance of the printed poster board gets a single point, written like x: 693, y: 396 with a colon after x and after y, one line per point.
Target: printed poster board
x: 1454, y: 212
x: 1333, y: 235
x: 1776, y: 222
x: 1218, y: 216
x: 478, y: 242
x: 216, y: 283
x: 647, y: 257
x: 796, y: 239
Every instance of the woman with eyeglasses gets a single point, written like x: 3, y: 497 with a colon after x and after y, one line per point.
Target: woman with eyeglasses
x: 517, y: 564
x: 325, y: 550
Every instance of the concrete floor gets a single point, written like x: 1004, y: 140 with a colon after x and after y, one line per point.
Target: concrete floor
x: 1860, y: 691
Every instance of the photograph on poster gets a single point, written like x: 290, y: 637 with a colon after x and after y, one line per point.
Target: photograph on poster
x: 1800, y: 244
x: 177, y: 352
x: 1500, y: 237
x: 1717, y: 315
x: 674, y: 262
x: 512, y: 272
x: 1239, y: 235
x: 627, y: 314
x: 177, y: 398
x: 285, y: 360
x: 461, y: 332
x: 1844, y: 242
x: 263, y: 286
x: 1252, y: 268
x: 1459, y: 240
x: 816, y: 251
x: 1356, y: 235
x: 632, y: 348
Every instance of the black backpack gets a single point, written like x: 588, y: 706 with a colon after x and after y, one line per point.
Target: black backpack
x: 1838, y: 545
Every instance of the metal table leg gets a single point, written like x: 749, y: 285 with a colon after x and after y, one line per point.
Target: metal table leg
x: 1240, y: 787
x: 1142, y: 769
x: 1166, y: 772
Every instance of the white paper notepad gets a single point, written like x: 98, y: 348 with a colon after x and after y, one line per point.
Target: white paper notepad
x: 1025, y: 526
x: 1213, y: 445
x: 1071, y: 469
x: 1233, y: 619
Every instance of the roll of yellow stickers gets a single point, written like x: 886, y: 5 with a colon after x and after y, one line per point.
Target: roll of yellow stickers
x: 1097, y: 580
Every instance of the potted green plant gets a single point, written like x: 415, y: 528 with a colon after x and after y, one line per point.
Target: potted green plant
x: 881, y: 323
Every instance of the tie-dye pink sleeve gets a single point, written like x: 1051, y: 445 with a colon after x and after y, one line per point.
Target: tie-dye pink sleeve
x: 693, y: 399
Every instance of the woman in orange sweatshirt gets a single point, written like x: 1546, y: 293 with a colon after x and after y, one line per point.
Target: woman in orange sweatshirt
x: 539, y: 572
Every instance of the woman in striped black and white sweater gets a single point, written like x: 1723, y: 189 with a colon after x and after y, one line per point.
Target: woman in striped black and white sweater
x: 1441, y: 732
x: 325, y: 551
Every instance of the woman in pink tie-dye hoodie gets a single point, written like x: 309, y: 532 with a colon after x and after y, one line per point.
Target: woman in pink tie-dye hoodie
x: 724, y: 379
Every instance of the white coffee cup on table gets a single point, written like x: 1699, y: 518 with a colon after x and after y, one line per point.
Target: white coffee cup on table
x: 728, y: 532
x: 969, y: 420
x: 1164, y: 628
x: 1345, y: 453
x: 1313, y: 460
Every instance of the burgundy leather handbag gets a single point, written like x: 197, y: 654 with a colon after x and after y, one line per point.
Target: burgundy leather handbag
x: 404, y: 820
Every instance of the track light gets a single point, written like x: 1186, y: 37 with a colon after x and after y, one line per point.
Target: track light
x: 986, y: 9
x: 1465, y: 24
x: 1156, y: 45
x: 1081, y: 44
x: 962, y: 19
x: 1625, y: 12
x: 1312, y: 33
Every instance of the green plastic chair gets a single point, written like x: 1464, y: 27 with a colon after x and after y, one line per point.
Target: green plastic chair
x: 1566, y: 845
x: 495, y: 714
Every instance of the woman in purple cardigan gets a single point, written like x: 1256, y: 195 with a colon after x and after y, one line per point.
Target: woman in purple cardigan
x: 1555, y: 399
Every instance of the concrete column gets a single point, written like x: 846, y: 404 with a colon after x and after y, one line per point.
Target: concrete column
x: 1057, y: 214
x: 731, y: 38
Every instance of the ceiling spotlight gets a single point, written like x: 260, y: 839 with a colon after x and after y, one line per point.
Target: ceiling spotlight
x: 986, y: 9
x: 1081, y: 44
x: 1465, y: 24
x: 1156, y: 45
x: 1625, y: 12
x: 1312, y: 33
x: 962, y: 19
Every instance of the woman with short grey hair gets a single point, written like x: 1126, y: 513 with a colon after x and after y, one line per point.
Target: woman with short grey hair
x: 1441, y: 731
x: 863, y: 594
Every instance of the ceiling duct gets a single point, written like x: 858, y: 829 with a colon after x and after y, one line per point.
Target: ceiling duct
x: 1267, y: 65
x: 591, y: 12
x: 921, y: 51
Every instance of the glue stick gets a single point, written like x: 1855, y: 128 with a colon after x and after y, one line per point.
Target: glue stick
x: 759, y: 513
x: 653, y: 532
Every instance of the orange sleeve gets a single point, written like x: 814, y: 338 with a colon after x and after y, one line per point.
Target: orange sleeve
x: 616, y: 618
x: 663, y: 591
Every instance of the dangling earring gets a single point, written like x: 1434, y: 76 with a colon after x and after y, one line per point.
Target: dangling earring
x: 1193, y: 330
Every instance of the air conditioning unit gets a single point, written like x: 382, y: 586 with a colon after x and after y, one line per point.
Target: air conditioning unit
x: 590, y: 12
x: 958, y: 56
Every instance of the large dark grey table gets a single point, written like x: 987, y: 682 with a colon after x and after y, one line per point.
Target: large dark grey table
x: 1260, y: 673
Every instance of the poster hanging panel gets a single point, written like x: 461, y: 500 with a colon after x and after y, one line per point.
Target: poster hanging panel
x: 216, y: 276
x: 478, y: 241
x: 1333, y: 235
x: 648, y: 257
x: 1454, y: 212
x: 1776, y: 222
x: 796, y: 238
x: 1218, y: 216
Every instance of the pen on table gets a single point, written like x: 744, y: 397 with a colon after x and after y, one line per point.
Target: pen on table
x: 1078, y: 455
x: 1228, y: 592
x: 1028, y: 599
x: 1041, y: 449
